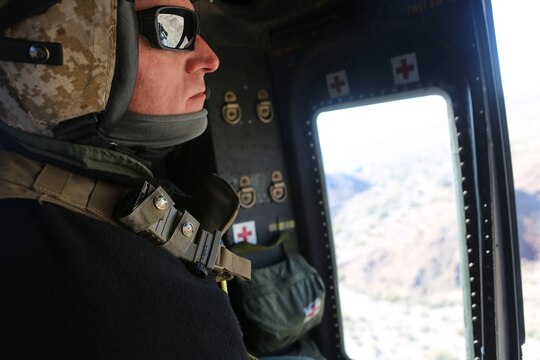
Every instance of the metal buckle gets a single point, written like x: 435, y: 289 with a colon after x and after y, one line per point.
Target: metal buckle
x: 265, y: 110
x: 231, y: 111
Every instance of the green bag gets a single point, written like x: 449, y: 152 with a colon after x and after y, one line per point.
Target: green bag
x: 281, y: 303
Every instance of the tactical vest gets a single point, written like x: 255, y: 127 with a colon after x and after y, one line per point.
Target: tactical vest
x: 147, y: 211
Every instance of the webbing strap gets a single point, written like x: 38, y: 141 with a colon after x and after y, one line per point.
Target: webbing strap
x: 92, y: 197
x: 233, y: 263
x: 24, y: 178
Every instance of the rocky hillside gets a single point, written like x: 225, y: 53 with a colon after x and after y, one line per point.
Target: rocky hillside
x: 397, y: 237
x: 398, y: 252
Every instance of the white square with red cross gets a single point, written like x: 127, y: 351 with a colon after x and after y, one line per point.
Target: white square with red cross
x: 245, y: 232
x: 338, y: 84
x: 405, y: 69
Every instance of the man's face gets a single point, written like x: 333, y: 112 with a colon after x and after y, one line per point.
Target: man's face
x: 171, y: 82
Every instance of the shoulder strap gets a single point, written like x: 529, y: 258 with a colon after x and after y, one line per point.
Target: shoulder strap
x: 28, y: 179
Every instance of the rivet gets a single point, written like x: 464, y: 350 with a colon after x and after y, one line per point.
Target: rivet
x: 39, y: 53
x: 161, y: 202
x: 187, y: 229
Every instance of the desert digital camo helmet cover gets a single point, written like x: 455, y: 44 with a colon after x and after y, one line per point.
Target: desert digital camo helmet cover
x: 36, y: 97
x: 81, y: 92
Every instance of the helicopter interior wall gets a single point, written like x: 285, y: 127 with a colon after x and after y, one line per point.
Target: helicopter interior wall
x: 355, y: 54
x: 247, y: 146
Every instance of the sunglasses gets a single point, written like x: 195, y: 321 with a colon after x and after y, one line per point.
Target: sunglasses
x: 169, y: 27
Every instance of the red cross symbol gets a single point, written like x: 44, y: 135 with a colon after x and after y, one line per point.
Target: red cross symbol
x: 245, y: 234
x: 405, y: 69
x: 337, y: 84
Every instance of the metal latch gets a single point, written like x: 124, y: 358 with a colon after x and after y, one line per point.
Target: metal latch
x: 246, y: 193
x: 265, y: 110
x: 232, y: 113
x: 278, y: 189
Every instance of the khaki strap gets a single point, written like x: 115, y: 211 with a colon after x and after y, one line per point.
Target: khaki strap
x: 91, y: 197
x: 234, y: 264
x: 28, y: 179
x: 24, y: 178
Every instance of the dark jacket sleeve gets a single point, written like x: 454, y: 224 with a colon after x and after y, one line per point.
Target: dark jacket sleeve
x: 74, y: 287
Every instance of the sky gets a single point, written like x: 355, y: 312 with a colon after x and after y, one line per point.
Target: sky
x: 517, y: 30
x: 381, y: 133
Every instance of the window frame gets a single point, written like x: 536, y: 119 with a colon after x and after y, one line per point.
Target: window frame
x: 458, y: 188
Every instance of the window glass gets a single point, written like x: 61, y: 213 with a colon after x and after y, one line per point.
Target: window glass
x: 517, y: 29
x: 390, y: 183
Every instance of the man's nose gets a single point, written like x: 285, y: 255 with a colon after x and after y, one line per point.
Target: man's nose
x: 203, y: 58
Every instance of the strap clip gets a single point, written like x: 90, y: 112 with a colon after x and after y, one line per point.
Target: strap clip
x: 204, y: 253
x: 31, y: 52
x: 150, y: 212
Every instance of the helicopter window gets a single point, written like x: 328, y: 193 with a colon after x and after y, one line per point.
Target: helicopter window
x: 390, y: 173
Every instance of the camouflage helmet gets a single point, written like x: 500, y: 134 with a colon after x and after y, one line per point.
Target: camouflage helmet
x: 93, y: 79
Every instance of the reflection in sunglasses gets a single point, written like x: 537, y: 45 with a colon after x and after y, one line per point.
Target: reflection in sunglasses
x: 171, y: 30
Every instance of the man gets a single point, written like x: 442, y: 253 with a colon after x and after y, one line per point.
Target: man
x: 90, y: 242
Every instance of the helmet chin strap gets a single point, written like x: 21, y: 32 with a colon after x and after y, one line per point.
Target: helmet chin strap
x: 158, y: 131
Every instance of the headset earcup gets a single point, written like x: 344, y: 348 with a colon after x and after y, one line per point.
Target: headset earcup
x: 125, y: 74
